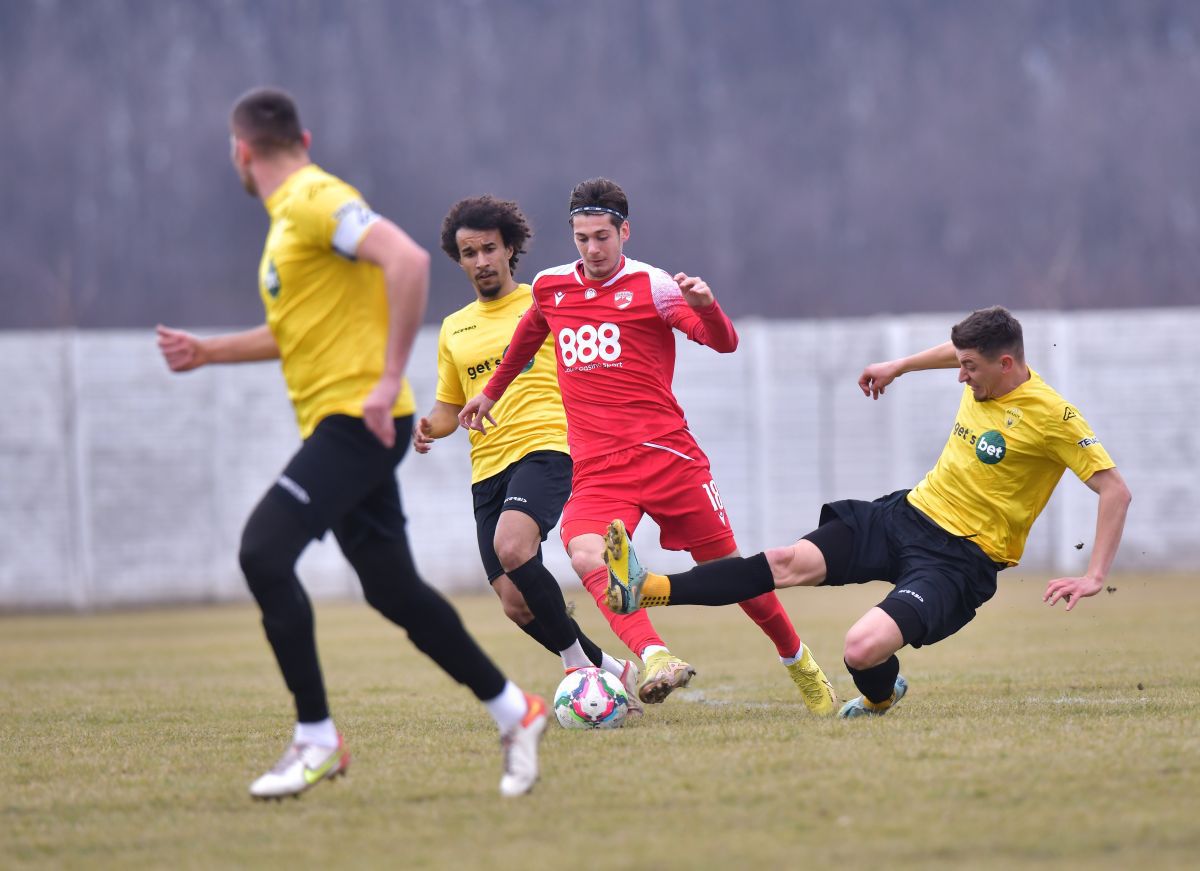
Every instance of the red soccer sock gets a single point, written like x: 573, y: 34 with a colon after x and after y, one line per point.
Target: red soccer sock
x: 767, y: 611
x: 634, y: 629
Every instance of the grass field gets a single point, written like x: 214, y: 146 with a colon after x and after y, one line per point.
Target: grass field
x: 1034, y: 739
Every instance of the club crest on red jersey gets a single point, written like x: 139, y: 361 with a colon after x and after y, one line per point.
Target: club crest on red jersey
x: 623, y: 298
x: 590, y: 293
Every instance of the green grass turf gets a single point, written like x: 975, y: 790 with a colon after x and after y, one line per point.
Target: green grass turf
x: 1035, y: 738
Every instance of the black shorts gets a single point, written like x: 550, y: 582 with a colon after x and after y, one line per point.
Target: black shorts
x: 940, y: 579
x: 538, y: 484
x: 344, y: 479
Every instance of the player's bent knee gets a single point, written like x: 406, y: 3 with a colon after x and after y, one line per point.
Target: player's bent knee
x: 514, y: 551
x: 263, y: 565
x: 799, y: 564
x: 585, y: 562
x: 867, y: 646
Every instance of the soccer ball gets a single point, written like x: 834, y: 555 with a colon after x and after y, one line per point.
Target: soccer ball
x: 590, y: 698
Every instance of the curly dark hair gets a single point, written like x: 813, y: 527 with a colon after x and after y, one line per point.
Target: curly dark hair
x: 991, y: 331
x: 487, y: 213
x: 602, y: 193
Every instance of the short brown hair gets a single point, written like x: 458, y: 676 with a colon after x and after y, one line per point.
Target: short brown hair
x: 602, y: 194
x: 991, y: 331
x: 487, y: 213
x: 267, y: 119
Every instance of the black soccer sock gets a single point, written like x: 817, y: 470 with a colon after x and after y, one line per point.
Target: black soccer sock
x: 878, y: 682
x: 723, y: 582
x: 535, y: 631
x: 545, y: 600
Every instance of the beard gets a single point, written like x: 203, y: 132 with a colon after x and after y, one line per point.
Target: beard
x: 489, y: 286
x: 248, y: 184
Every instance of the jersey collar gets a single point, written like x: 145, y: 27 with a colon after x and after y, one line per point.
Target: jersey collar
x: 584, y: 281
x: 281, y: 194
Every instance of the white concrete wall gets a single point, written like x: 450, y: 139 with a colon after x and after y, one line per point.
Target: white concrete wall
x: 121, y: 483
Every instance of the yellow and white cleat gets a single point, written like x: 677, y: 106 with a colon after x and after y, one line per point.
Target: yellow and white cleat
x: 664, y: 674
x: 815, y: 688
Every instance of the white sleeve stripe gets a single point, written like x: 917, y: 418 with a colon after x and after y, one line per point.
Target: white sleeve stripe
x: 353, y: 220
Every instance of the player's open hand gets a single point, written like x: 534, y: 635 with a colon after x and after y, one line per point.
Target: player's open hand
x: 695, y: 290
x: 423, y: 436
x: 876, y: 377
x: 377, y: 411
x: 181, y: 350
x: 1071, y: 590
x: 475, y: 412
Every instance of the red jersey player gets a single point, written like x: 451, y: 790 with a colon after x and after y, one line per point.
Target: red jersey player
x: 612, y: 320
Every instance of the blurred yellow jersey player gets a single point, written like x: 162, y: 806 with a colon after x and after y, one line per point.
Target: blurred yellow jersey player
x: 521, y: 469
x: 1002, y: 461
x: 328, y: 314
x: 344, y: 291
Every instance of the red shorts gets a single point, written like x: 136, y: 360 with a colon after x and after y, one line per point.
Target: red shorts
x: 668, y: 478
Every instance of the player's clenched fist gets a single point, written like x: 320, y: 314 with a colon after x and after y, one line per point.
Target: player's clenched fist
x: 695, y: 290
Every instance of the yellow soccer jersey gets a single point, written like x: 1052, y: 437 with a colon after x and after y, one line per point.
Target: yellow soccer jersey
x: 530, y: 415
x: 1002, y: 461
x: 327, y: 311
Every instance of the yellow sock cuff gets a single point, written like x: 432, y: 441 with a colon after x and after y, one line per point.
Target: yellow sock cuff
x: 656, y: 590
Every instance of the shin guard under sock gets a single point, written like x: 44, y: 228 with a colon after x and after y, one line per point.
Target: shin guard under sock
x: 545, y: 600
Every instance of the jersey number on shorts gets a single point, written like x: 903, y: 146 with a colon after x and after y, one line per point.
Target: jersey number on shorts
x: 714, y: 498
x: 588, y: 342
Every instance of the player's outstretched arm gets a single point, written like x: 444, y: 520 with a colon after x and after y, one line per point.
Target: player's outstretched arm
x: 528, y: 337
x: 1110, y: 524
x: 876, y: 377
x: 184, y: 351
x: 439, y: 423
x: 405, y: 266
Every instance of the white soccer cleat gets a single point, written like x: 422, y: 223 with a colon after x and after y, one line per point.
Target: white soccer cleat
x: 301, y: 767
x: 520, y: 746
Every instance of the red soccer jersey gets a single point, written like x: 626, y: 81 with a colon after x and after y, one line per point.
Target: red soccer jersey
x: 615, y: 351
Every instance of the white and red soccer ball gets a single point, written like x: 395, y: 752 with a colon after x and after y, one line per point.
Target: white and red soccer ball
x: 590, y: 698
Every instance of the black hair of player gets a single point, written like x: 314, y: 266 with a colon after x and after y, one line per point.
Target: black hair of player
x: 602, y: 193
x: 268, y: 120
x: 990, y: 331
x: 487, y: 213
